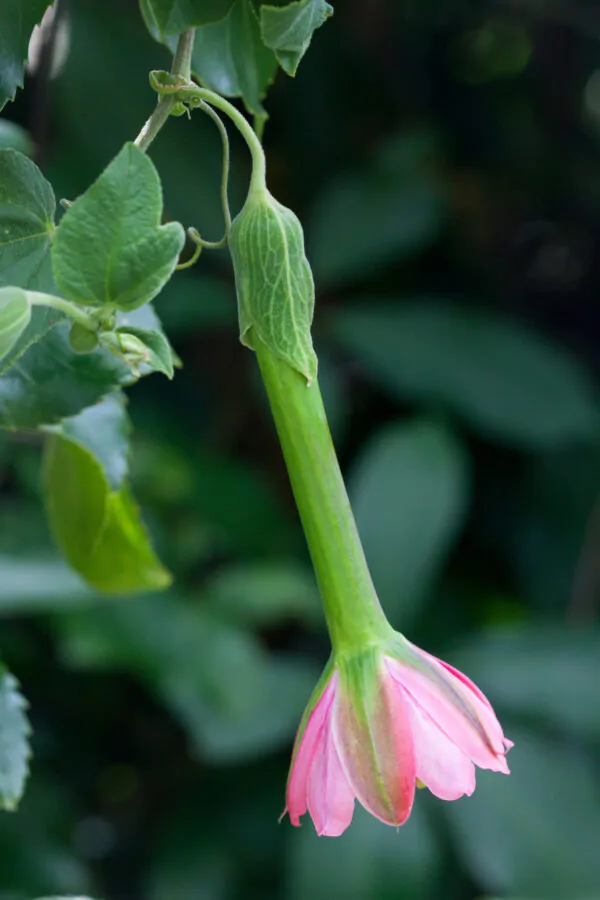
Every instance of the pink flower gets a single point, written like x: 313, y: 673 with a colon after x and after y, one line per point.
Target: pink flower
x: 381, y: 722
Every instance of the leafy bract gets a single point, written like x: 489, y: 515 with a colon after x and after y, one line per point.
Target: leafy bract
x: 14, y: 741
x: 17, y: 20
x: 288, y: 30
x: 110, y: 248
x: 92, y: 513
x: 274, y: 284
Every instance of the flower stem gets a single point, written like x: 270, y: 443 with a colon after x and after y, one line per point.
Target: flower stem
x: 182, y: 62
x: 194, y: 94
x: 72, y: 310
x: 354, y: 616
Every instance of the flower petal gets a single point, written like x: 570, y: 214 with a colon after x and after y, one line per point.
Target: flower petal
x: 373, y: 736
x: 440, y: 764
x: 306, y: 750
x: 330, y: 796
x: 469, y: 722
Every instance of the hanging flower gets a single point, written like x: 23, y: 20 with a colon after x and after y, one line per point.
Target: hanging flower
x: 379, y: 723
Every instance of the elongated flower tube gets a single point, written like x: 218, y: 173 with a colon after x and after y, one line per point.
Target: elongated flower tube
x: 381, y: 722
x: 385, y: 716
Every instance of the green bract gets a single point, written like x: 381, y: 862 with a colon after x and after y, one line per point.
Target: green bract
x: 110, y: 248
x: 15, y: 313
x: 275, y: 289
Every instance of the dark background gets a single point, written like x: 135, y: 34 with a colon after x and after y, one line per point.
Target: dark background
x: 444, y: 157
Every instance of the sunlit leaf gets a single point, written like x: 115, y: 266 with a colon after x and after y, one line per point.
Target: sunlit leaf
x: 92, y: 513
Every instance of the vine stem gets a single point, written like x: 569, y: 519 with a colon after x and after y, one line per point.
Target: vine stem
x: 72, y: 310
x: 182, y: 62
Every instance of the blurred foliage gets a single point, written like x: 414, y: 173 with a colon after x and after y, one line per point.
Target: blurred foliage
x: 445, y: 160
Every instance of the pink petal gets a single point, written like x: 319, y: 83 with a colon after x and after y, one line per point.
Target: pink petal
x: 306, y: 750
x: 440, y: 764
x: 330, y: 796
x: 458, y: 712
x: 377, y: 753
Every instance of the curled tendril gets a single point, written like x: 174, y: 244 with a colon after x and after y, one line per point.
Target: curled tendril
x: 193, y: 233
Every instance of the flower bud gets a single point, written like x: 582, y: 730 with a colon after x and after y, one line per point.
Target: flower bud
x: 81, y: 339
x: 274, y: 283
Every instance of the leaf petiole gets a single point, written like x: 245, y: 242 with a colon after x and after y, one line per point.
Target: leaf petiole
x: 73, y: 310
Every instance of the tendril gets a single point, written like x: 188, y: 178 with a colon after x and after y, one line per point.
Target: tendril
x: 193, y: 233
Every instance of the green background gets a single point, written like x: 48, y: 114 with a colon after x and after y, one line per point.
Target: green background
x: 444, y: 158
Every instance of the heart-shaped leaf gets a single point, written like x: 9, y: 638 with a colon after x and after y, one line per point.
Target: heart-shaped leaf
x: 110, y: 248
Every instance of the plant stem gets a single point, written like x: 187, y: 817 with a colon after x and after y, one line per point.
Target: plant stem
x: 182, y: 62
x: 354, y: 615
x: 193, y: 94
x: 72, y: 310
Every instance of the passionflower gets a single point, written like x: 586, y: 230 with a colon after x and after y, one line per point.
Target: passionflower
x: 381, y: 721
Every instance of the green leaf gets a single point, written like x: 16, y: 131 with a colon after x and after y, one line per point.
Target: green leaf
x: 92, y: 514
x: 543, y: 673
x: 513, y: 833
x: 231, y: 696
x: 288, y: 30
x: 15, y: 314
x: 51, y: 381
x: 155, y: 348
x: 17, y: 20
x: 175, y: 16
x: 14, y: 741
x: 110, y: 249
x: 409, y: 489
x: 229, y: 56
x: 27, y: 206
x: 507, y: 382
x: 367, y: 861
x: 12, y: 136
x: 275, y: 290
x: 103, y: 430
